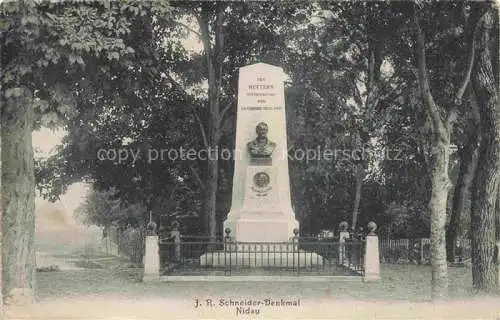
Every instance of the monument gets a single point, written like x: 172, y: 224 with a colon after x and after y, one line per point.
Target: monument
x: 261, y: 209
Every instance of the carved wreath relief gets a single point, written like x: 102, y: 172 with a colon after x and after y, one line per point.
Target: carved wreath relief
x: 261, y: 182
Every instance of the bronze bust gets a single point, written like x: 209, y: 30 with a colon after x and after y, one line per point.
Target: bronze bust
x: 261, y: 147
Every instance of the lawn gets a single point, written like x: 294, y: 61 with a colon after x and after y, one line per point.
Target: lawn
x: 399, y: 282
x: 111, y: 292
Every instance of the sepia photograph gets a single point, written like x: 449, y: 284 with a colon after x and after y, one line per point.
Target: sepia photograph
x: 249, y: 159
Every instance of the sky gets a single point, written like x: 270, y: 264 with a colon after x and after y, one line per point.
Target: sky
x: 45, y: 141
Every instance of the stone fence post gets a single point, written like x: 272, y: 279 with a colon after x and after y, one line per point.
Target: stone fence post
x: 151, y: 254
x: 372, y: 259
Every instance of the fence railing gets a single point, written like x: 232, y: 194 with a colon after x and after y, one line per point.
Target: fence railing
x: 127, y: 243
x: 299, y: 256
x: 417, y: 250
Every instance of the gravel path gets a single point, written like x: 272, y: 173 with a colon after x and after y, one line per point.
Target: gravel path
x: 44, y: 260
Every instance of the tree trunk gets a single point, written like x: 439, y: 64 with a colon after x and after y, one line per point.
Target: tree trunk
x: 18, y: 195
x: 360, y: 176
x: 214, y: 57
x: 440, y: 185
x: 487, y: 178
x: 1, y: 198
x: 210, y: 200
x: 438, y: 170
x: 497, y: 217
x: 462, y: 195
x: 497, y: 238
x: 375, y: 59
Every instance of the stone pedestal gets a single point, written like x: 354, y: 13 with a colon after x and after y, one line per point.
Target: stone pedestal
x: 372, y: 259
x: 261, y: 259
x: 151, y: 258
x: 261, y: 255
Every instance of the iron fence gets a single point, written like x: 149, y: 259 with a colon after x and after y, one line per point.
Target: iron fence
x: 299, y: 256
x: 417, y: 251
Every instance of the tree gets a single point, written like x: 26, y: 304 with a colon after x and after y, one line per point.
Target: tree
x: 338, y: 89
x: 156, y: 101
x: 487, y: 179
x: 220, y: 26
x: 45, y: 46
x: 214, y: 60
x: 134, y: 106
x: 377, y: 32
x: 468, y: 151
x: 441, y: 126
x: 103, y: 208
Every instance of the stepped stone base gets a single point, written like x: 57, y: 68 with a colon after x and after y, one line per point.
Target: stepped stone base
x: 261, y: 259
